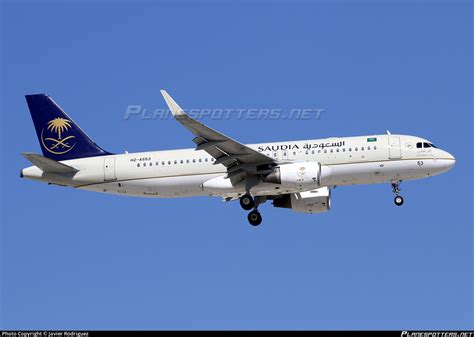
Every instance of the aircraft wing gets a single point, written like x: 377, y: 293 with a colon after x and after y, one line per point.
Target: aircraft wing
x: 235, y: 156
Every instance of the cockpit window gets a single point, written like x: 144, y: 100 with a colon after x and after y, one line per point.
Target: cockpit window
x: 425, y: 145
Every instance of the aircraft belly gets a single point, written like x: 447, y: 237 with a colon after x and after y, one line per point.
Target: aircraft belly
x: 163, y: 187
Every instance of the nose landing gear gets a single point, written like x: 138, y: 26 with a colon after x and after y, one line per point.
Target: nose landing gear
x: 398, y: 200
x: 396, y: 189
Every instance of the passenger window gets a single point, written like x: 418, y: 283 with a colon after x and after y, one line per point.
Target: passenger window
x: 151, y: 164
x: 187, y: 161
x: 182, y: 161
x: 138, y: 165
x: 312, y: 151
x: 200, y: 160
x: 156, y: 163
x: 337, y: 150
x: 294, y: 153
x: 169, y: 162
x: 205, y: 159
x: 368, y: 148
x: 194, y: 160
x: 162, y: 163
x: 331, y: 150
x: 362, y: 148
x: 375, y: 147
x: 350, y: 149
x: 176, y: 162
x: 355, y: 149
x: 306, y: 152
x: 343, y: 149
x: 325, y: 151
x: 319, y: 151
x: 144, y: 164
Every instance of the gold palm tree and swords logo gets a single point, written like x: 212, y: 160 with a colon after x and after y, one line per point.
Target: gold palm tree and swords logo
x: 301, y: 172
x: 59, y: 145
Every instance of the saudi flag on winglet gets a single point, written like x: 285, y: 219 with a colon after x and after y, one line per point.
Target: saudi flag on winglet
x: 371, y: 139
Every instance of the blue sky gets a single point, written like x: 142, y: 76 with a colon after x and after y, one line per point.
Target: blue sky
x: 78, y: 260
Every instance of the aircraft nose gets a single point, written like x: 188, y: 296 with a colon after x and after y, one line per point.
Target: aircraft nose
x: 453, y: 160
x: 449, y: 161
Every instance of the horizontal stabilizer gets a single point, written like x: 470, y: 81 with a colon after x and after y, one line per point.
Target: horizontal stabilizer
x: 48, y: 165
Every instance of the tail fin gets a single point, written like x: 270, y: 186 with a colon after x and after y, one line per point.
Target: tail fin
x: 60, y: 138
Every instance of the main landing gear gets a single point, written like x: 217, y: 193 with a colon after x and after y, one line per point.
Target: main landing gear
x: 255, y: 218
x: 247, y: 203
x: 396, y: 189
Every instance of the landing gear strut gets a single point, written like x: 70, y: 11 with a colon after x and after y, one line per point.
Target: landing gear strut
x: 396, y: 189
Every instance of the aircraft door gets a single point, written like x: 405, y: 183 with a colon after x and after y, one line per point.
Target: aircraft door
x: 109, y: 168
x: 394, y: 149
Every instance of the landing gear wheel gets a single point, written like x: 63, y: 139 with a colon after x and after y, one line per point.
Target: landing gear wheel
x: 255, y: 218
x: 247, y: 202
x: 398, y: 200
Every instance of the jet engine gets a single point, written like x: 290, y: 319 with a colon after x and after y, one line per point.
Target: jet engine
x: 315, y: 201
x: 304, y: 175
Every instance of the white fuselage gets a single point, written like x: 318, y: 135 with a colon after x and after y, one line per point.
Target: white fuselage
x: 182, y: 173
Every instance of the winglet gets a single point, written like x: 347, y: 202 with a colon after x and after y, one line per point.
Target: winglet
x: 48, y: 165
x: 174, y: 107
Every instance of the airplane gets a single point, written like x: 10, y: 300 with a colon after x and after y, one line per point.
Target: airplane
x: 298, y: 175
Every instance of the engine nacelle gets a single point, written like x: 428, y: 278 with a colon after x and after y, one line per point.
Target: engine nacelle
x: 315, y: 201
x: 304, y: 175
